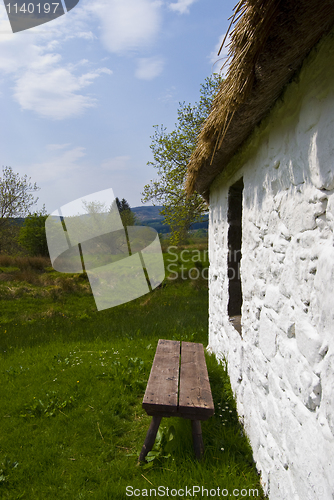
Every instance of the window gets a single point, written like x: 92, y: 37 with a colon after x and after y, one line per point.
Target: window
x: 234, y: 218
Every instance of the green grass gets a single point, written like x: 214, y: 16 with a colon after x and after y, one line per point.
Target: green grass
x: 72, y: 382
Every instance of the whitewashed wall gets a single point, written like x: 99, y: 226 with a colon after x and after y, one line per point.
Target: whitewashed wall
x: 282, y: 369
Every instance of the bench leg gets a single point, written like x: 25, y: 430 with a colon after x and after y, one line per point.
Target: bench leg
x: 197, y: 438
x: 150, y: 438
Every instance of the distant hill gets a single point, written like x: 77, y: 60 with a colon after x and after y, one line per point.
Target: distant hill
x: 147, y: 216
x: 151, y: 216
x: 144, y: 214
x: 148, y: 213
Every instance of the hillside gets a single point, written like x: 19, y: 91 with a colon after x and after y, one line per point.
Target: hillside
x: 148, y: 213
x: 151, y: 216
x: 148, y: 216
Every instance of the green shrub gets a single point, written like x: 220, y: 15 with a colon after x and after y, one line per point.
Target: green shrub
x: 32, y: 235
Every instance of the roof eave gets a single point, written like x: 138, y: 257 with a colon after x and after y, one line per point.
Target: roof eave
x: 295, y: 32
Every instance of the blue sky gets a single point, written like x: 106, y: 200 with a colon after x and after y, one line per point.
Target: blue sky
x: 80, y: 94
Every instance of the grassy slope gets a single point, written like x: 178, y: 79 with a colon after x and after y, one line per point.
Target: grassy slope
x: 72, y: 383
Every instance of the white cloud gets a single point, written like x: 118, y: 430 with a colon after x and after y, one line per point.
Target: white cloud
x: 128, y: 24
x: 87, y: 35
x: 60, y: 164
x: 55, y: 147
x: 46, y: 85
x: 117, y: 163
x: 53, y: 92
x: 181, y: 6
x: 149, y: 68
x: 168, y: 96
x: 17, y: 53
x: 42, y: 82
x: 5, y: 29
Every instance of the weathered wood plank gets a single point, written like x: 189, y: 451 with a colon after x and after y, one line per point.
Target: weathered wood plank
x: 195, y: 399
x: 162, y: 388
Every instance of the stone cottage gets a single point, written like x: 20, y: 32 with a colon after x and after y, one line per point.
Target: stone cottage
x: 265, y: 163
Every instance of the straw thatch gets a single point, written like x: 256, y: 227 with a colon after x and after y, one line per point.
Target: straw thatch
x: 269, y: 42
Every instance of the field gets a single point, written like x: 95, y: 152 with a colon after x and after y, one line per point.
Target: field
x: 72, y: 381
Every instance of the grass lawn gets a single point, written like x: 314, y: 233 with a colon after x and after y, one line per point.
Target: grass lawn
x: 72, y: 382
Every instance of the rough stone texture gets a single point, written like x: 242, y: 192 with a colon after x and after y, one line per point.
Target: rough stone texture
x: 282, y: 365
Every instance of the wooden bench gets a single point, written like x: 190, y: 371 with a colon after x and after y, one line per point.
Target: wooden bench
x: 178, y: 386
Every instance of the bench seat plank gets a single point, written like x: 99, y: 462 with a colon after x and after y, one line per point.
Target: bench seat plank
x: 161, y: 395
x: 195, y: 398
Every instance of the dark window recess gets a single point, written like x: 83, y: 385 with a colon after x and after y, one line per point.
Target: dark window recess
x: 234, y: 218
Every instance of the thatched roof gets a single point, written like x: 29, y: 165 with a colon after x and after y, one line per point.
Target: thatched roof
x: 269, y: 41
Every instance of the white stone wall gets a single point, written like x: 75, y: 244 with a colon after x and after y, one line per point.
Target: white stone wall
x: 282, y: 369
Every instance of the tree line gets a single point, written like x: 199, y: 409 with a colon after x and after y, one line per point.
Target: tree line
x: 16, y: 201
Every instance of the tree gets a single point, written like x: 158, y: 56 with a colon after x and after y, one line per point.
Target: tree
x: 16, y: 196
x: 16, y: 199
x: 32, y: 235
x: 171, y: 154
x: 127, y: 216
